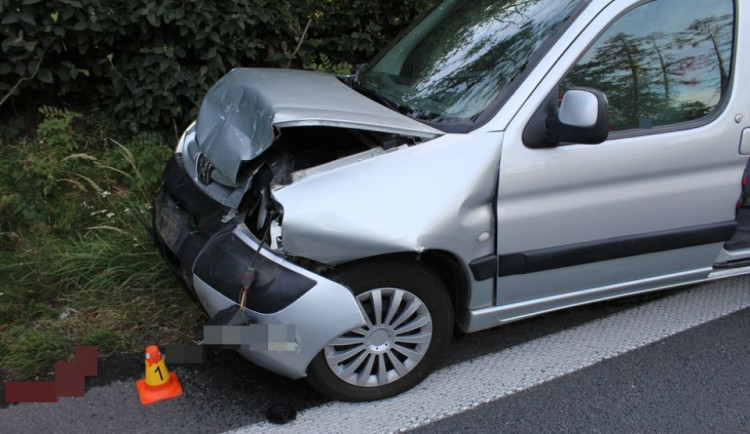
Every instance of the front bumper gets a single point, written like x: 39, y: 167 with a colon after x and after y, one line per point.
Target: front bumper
x: 321, y: 314
x: 211, y: 257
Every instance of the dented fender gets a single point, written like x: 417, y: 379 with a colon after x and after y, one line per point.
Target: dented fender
x: 437, y: 195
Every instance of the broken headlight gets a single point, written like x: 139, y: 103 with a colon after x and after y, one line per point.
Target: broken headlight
x: 187, y: 136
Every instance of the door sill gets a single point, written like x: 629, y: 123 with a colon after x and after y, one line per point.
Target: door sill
x: 738, y: 263
x: 720, y: 273
x: 732, y: 256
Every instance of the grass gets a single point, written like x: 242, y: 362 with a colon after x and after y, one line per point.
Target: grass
x: 75, y: 265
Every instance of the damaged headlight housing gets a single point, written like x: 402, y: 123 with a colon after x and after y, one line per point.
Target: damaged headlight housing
x: 277, y: 242
x: 188, y: 135
x: 266, y: 222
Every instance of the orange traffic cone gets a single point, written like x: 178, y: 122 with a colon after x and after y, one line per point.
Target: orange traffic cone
x: 159, y: 384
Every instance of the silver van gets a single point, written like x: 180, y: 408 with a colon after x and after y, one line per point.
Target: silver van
x: 501, y: 159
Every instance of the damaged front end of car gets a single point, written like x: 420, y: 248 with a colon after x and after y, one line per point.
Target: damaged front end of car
x: 216, y: 216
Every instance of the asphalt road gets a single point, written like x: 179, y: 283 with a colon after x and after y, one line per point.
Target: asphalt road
x: 696, y: 380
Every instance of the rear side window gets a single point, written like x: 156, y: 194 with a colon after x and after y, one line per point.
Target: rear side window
x: 663, y: 62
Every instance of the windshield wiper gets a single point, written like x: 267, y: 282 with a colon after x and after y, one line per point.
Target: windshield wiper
x: 374, y: 95
x: 358, y: 70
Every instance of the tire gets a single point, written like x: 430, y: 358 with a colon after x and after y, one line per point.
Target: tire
x: 398, y: 350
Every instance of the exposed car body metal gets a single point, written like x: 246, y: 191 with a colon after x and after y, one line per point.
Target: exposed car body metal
x: 480, y: 196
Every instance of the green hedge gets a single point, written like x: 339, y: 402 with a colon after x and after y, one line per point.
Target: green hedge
x: 148, y: 62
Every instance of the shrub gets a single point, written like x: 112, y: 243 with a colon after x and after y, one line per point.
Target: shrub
x: 148, y: 62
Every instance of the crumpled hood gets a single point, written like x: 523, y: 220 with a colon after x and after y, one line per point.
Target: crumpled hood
x: 237, y: 117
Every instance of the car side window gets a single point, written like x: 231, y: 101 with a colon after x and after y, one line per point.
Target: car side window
x: 661, y: 63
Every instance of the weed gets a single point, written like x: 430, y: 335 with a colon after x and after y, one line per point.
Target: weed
x: 75, y: 266
x: 104, y: 337
x: 33, y: 351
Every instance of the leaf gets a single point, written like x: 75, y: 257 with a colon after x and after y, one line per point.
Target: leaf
x: 5, y: 68
x: 11, y: 18
x: 55, y: 16
x: 27, y: 18
x: 63, y: 74
x: 44, y: 75
x: 31, y: 2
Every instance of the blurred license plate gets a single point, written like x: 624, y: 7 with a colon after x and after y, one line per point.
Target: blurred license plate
x: 170, y: 228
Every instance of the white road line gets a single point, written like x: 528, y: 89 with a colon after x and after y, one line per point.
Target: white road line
x: 460, y: 387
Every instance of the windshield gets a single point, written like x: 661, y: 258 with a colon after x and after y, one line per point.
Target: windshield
x: 455, y: 61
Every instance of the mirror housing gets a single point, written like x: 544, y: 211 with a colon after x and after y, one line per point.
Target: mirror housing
x: 583, y: 118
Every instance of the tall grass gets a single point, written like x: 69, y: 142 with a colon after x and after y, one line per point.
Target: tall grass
x: 76, y: 267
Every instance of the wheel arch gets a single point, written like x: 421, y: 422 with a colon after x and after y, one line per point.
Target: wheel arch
x: 443, y: 263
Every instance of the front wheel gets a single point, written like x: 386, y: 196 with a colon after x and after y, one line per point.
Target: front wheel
x: 409, y: 322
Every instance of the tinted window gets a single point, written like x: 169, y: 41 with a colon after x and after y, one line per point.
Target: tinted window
x: 661, y: 63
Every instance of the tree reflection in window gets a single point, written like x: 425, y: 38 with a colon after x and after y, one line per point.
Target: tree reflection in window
x: 664, y: 62
x: 461, y: 55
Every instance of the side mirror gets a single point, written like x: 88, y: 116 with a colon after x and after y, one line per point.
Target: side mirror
x: 583, y: 118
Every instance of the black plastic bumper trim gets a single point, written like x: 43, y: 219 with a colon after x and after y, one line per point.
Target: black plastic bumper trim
x: 226, y: 257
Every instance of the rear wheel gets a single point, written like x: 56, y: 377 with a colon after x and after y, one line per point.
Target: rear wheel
x: 409, y: 322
